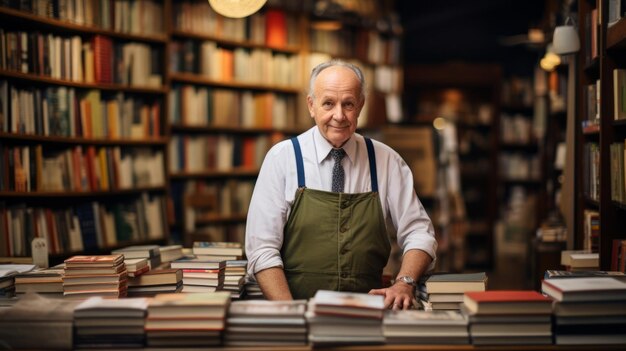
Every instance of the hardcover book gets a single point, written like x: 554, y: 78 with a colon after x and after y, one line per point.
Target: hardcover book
x: 454, y: 282
x: 217, y: 248
x: 192, y: 262
x: 94, y: 261
x: 507, y: 302
x: 348, y: 303
x: 585, y: 289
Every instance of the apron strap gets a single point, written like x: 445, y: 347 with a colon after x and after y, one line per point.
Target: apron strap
x: 299, y: 163
x: 372, y: 157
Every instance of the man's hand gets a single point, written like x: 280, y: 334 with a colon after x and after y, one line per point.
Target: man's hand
x: 399, y: 296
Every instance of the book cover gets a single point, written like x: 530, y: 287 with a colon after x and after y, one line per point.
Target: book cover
x: 454, y: 282
x: 217, y: 248
x: 585, y: 289
x: 507, y: 301
x: 95, y: 260
x: 157, y: 277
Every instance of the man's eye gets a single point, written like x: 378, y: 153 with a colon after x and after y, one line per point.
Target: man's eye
x: 327, y: 103
x: 348, y: 105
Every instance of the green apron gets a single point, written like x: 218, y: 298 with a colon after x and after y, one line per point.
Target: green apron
x: 334, y: 241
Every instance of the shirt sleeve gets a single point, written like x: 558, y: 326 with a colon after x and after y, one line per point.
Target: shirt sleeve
x: 267, y: 212
x: 414, y: 227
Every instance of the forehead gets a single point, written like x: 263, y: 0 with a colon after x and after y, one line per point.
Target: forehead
x: 337, y: 79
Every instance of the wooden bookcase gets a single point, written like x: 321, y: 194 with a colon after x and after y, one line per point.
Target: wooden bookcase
x: 83, y: 137
x: 229, y: 119
x: 610, y: 49
x: 233, y: 94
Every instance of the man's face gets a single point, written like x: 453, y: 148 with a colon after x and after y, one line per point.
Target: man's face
x: 337, y: 104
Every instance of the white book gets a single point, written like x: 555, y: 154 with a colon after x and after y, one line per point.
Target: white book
x: 585, y: 289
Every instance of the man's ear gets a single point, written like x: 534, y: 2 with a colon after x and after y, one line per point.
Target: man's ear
x: 309, y: 104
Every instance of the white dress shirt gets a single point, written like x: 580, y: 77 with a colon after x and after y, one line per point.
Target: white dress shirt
x: 277, y: 183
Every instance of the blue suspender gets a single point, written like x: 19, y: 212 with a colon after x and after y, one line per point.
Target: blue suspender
x: 372, y: 157
x: 370, y: 154
x: 299, y: 163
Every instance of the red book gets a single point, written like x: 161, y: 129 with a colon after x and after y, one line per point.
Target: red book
x: 103, y: 55
x: 507, y: 302
x: 275, y: 29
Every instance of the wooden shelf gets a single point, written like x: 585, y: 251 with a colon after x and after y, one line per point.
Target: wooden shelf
x: 79, y: 194
x: 82, y: 141
x: 241, y: 172
x: 193, y: 78
x: 180, y: 34
x: 179, y: 128
x: 44, y: 80
x: 46, y: 23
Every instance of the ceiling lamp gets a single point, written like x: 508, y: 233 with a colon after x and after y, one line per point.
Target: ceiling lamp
x: 236, y: 8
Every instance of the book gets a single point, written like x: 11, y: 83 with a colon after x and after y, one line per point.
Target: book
x: 507, y: 302
x: 192, y: 262
x: 619, y: 93
x: 579, y: 258
x: 157, y: 277
x: 94, y: 261
x: 585, y: 289
x: 217, y: 248
x: 348, y: 304
x: 138, y: 251
x: 555, y: 274
x: 211, y: 305
x: 171, y: 253
x: 454, y: 282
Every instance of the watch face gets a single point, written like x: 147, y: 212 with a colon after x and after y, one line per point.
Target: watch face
x: 408, y: 280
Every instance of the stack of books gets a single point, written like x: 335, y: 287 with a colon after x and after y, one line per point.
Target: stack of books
x: 508, y: 317
x: 588, y: 310
x: 136, y: 266
x: 194, y: 319
x: 158, y: 281
x: 200, y: 274
x: 425, y: 327
x: 336, y: 318
x: 150, y: 252
x: 47, y: 281
x: 170, y: 253
x: 580, y: 260
x: 110, y: 323
x: 100, y: 275
x: 217, y: 250
x: 7, y: 280
x: 234, y: 278
x: 252, y: 290
x: 37, y: 322
x: 259, y: 322
x: 444, y: 291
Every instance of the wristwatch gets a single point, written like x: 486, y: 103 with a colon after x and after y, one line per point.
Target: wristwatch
x: 407, y: 279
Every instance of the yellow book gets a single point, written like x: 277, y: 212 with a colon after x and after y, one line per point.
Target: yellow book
x: 104, y: 169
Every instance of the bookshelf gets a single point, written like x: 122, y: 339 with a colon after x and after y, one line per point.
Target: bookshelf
x: 83, y: 144
x: 602, y: 52
x: 467, y: 95
x: 236, y: 89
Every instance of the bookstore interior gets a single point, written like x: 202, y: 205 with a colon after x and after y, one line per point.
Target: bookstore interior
x: 132, y: 134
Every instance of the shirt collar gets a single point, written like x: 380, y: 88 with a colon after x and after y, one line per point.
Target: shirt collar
x: 323, y: 147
